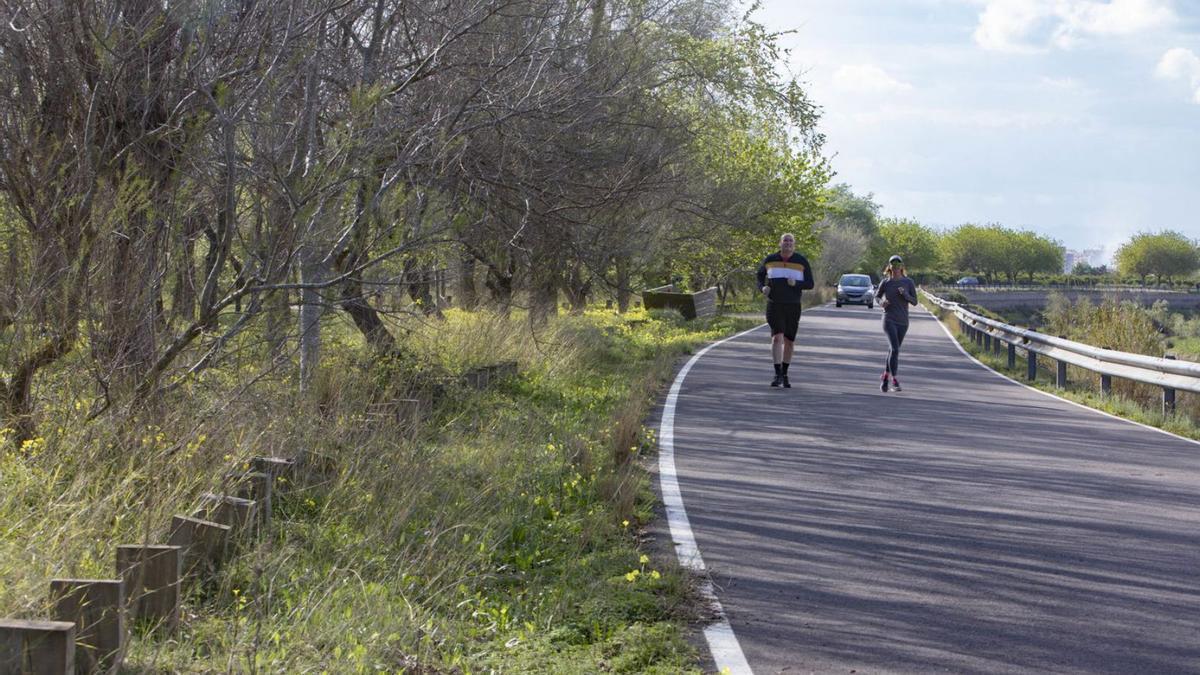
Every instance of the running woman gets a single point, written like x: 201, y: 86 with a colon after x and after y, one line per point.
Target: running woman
x: 783, y: 278
x: 897, y: 292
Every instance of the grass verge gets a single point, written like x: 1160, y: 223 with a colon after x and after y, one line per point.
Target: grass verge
x: 500, y: 535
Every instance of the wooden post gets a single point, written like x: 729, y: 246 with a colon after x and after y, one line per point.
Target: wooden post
x: 238, y: 513
x: 205, y: 543
x: 275, y: 467
x: 255, y: 486
x: 37, y: 647
x: 151, y: 575
x: 280, y: 469
x: 97, y: 608
x: 261, y: 489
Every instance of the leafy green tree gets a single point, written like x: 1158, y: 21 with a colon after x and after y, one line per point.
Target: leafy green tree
x: 852, y: 209
x: 974, y: 248
x: 914, y: 242
x: 754, y: 167
x: 996, y: 251
x: 1038, y: 254
x: 1167, y: 255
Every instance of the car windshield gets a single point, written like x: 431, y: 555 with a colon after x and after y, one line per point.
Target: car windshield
x: 855, y: 280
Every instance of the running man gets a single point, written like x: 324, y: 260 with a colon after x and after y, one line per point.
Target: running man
x: 897, y: 292
x: 783, y: 278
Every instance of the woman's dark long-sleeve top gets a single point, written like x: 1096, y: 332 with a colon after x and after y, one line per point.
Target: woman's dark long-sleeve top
x: 900, y: 293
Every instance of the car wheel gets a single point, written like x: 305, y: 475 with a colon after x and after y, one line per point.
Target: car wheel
x: 838, y: 303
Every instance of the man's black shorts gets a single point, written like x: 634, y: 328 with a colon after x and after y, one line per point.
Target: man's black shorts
x: 784, y: 317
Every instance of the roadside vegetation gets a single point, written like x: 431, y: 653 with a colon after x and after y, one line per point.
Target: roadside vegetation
x: 501, y: 532
x: 1123, y: 326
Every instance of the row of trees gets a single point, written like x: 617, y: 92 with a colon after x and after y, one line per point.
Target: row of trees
x: 855, y: 238
x: 176, y: 177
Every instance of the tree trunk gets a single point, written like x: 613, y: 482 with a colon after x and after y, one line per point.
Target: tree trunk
x: 624, y: 292
x: 577, y: 288
x: 500, y: 285
x: 467, y: 291
x: 416, y: 281
x: 310, y: 319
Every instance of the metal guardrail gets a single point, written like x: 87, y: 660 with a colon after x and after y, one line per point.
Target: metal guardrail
x: 1167, y: 373
x: 1099, y: 288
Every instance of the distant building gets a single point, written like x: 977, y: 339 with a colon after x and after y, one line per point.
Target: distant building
x: 1091, y: 256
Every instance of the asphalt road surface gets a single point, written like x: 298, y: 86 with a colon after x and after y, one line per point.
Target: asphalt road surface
x: 965, y: 525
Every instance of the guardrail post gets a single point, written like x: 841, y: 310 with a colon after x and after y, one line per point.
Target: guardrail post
x: 987, y: 342
x: 37, y: 646
x: 97, y: 608
x: 1060, y: 379
x: 151, y: 575
x: 1168, y: 394
x: 996, y: 342
x: 1031, y: 368
x: 1012, y: 356
x: 1105, y: 384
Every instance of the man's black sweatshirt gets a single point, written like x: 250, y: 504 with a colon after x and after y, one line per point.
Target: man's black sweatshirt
x: 777, y: 273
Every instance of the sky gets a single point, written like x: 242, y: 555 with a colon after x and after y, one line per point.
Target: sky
x: 1078, y: 119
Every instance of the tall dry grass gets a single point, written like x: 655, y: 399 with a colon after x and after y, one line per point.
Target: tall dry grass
x: 505, y: 515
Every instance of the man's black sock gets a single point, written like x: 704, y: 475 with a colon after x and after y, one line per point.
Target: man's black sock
x: 783, y: 368
x: 778, y: 370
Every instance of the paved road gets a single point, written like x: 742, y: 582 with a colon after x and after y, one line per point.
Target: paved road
x: 965, y: 525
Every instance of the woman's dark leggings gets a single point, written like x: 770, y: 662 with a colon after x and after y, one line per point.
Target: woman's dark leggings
x: 895, y: 334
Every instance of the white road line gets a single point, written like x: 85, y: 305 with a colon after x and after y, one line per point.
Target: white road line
x: 1046, y: 393
x: 726, y: 651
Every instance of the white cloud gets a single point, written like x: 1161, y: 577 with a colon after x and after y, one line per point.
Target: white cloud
x: 1036, y: 25
x: 867, y: 79
x: 1180, y: 65
x: 1006, y: 25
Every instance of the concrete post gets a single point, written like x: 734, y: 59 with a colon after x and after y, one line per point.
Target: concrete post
x: 37, y: 647
x: 97, y: 608
x: 152, y: 577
